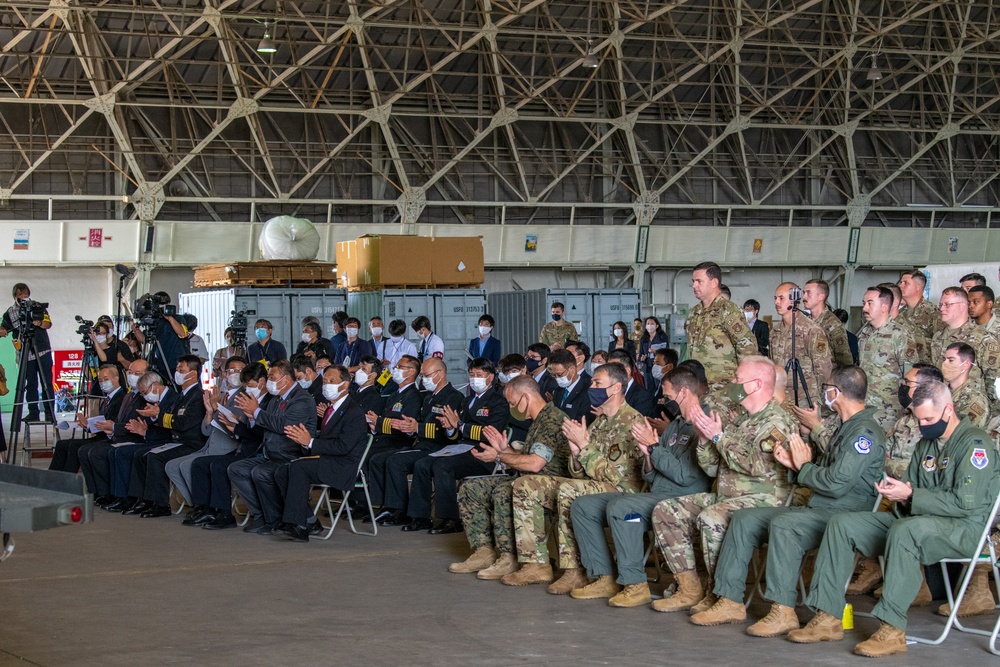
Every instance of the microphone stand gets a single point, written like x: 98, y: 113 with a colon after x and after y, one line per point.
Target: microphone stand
x: 793, y: 366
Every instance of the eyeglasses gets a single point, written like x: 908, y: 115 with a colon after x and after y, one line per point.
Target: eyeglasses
x: 952, y: 303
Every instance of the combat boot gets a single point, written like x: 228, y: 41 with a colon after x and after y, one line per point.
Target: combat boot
x: 480, y: 559
x: 705, y: 603
x: 722, y: 612
x: 822, y: 628
x: 633, y: 595
x: 887, y: 640
x: 603, y: 587
x: 978, y: 596
x: 779, y: 621
x: 504, y: 565
x: 574, y: 577
x: 530, y: 573
x: 924, y: 596
x: 689, y: 592
x: 869, y: 576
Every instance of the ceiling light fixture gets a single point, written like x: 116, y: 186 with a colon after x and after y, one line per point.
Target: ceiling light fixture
x: 591, y: 61
x: 874, y: 73
x: 267, y: 44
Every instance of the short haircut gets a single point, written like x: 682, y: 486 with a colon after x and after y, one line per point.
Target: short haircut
x: 355, y: 321
x: 314, y: 327
x: 669, y: 355
x: 235, y: 359
x: 725, y: 290
x: 108, y: 367
x: 19, y: 287
x: 420, y: 322
x: 695, y: 367
x: 823, y: 286
x: 148, y: 379
x: 562, y: 358
x: 410, y: 359
x: 483, y: 364
x: 843, y: 316
x: 523, y: 384
x: 956, y: 292
x: 683, y: 378
x: 711, y: 269
x: 761, y: 368
x: 340, y: 317
x: 488, y: 319
x: 375, y: 318
x: 934, y: 392
x: 323, y: 357
x: 978, y: 278
x: 928, y: 373
x: 884, y: 294
x: 985, y: 291
x: 191, y: 320
x: 897, y: 294
x: 557, y: 304
x: 309, y: 318
x: 752, y: 303
x: 253, y: 372
x: 917, y: 275
x: 615, y: 372
x: 263, y: 323
x: 434, y: 361
x: 301, y: 363
x: 581, y: 346
x: 622, y: 357
x: 851, y: 380
x: 193, y: 362
x: 342, y: 372
x: 397, y: 328
x: 541, y: 349
x: 511, y: 362
x: 965, y: 351
x: 283, y: 367
x: 375, y: 362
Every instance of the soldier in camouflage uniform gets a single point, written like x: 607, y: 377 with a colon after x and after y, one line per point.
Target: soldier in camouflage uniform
x: 958, y: 328
x: 603, y: 458
x: 748, y: 476
x: 968, y: 397
x: 485, y: 502
x: 811, y: 348
x: 718, y: 335
x: 886, y: 351
x: 558, y: 331
x: 814, y: 298
x: 981, y: 301
x: 917, y: 313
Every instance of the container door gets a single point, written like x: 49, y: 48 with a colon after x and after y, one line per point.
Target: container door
x: 456, y: 320
x: 610, y: 306
x: 321, y: 304
x: 579, y: 305
x: 272, y: 306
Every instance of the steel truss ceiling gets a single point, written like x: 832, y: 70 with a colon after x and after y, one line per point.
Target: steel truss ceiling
x: 462, y: 111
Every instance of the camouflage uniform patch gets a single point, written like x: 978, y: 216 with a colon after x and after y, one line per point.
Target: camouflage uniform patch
x: 886, y: 355
x: 813, y: 352
x: 718, y: 337
x: 837, y: 335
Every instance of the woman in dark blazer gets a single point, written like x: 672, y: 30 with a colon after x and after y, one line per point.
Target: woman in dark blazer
x: 485, y: 345
x: 654, y: 338
x: 620, y: 339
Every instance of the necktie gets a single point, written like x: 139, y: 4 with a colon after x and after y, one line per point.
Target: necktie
x: 423, y: 344
x: 104, y: 406
x: 329, y: 413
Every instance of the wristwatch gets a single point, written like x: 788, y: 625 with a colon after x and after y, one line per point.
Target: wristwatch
x: 716, y: 438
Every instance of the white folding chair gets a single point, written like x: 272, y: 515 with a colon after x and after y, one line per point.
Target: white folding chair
x: 170, y: 494
x: 325, y: 500
x: 983, y: 554
x: 241, y: 519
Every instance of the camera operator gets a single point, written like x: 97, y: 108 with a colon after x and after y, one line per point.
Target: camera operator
x: 42, y: 366
x: 170, y: 334
x: 108, y: 348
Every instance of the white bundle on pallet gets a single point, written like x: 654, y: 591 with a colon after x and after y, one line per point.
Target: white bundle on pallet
x: 285, y: 237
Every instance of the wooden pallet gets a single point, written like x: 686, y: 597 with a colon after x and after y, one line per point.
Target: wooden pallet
x: 266, y: 274
x: 376, y: 288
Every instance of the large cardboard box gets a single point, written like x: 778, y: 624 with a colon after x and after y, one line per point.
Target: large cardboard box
x: 347, y: 263
x: 458, y: 260
x: 388, y: 260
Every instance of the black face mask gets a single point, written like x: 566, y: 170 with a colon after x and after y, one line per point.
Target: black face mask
x: 532, y: 364
x: 903, y: 394
x: 935, y: 430
x: 670, y: 409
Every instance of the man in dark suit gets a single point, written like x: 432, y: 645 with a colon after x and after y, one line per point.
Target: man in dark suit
x: 253, y: 477
x: 571, y: 397
x: 485, y: 345
x: 389, y: 487
x: 635, y: 394
x: 366, y: 391
x: 331, y: 457
x: 536, y: 361
x: 66, y: 456
x: 581, y: 353
x: 149, y: 479
x: 404, y: 402
x: 307, y: 377
x: 440, y: 474
x: 751, y: 307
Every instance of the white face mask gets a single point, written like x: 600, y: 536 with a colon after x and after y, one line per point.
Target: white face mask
x: 397, y: 339
x: 101, y: 339
x: 594, y: 367
x: 651, y: 328
x: 360, y: 377
x: 478, y: 385
x: 657, y: 372
x: 352, y: 332
x: 618, y: 333
x: 179, y: 377
x: 133, y: 380
x: 332, y: 392
x: 272, y: 388
x: 748, y: 315
x: 151, y: 397
x: 484, y: 331
x: 397, y: 375
x: 428, y: 384
x: 304, y: 383
x: 376, y: 331
x: 253, y: 391
x: 505, y: 378
x: 830, y: 401
x: 233, y: 380
x: 306, y: 338
x: 564, y: 382
x: 107, y: 386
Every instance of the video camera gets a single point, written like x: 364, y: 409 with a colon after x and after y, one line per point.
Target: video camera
x: 28, y: 312
x: 795, y: 294
x: 238, y: 324
x: 86, y: 326
x: 149, y: 308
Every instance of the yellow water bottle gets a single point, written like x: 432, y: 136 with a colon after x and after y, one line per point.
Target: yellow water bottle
x: 848, y: 619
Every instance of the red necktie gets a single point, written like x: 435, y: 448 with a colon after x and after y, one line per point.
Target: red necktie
x: 329, y: 413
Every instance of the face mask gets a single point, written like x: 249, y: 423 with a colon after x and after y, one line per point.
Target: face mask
x: 903, y: 394
x: 261, y: 333
x: 657, y: 372
x: 306, y: 338
x: 556, y: 317
x: 749, y: 316
x: 935, y: 430
x: 352, y: 332
x: 735, y: 392
x: 152, y: 397
x: 397, y: 339
x: 563, y: 382
x: 671, y: 409
x: 101, y: 339
x: 360, y: 377
x: 428, y: 384
x: 253, y: 391
x: 598, y: 396
x: 618, y: 333
x: 950, y: 371
x: 532, y: 364
x: 332, y: 391
x: 505, y: 378
x: 133, y: 380
x: 478, y: 385
x: 233, y: 380
x: 397, y: 375
x: 304, y: 383
x: 179, y: 377
x: 107, y: 386
x: 272, y: 388
x: 651, y: 328
x: 830, y: 401
x: 594, y: 367
x: 517, y: 414
x: 376, y: 331
x: 485, y: 331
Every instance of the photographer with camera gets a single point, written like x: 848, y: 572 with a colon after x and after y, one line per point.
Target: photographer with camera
x: 108, y: 347
x: 16, y: 321
x: 156, y: 321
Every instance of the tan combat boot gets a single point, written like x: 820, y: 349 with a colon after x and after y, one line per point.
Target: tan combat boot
x: 574, y: 577
x: 602, y: 587
x: 868, y: 577
x: 505, y: 564
x: 633, y: 595
x: 887, y: 640
x: 689, y: 592
x: 705, y: 603
x: 530, y: 573
x: 924, y: 596
x: 779, y: 621
x: 722, y: 612
x: 978, y: 596
x: 481, y: 558
x: 822, y: 628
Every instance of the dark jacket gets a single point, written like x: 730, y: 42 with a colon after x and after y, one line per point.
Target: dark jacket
x: 127, y: 411
x: 491, y: 352
x: 490, y: 409
x: 763, y: 335
x: 339, y: 446
x: 297, y: 408
x: 405, y: 403
x: 641, y: 400
x: 429, y: 430
x: 629, y: 346
x: 185, y: 416
x: 370, y: 399
x: 576, y: 405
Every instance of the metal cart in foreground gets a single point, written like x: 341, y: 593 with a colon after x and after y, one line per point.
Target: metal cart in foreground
x: 32, y: 500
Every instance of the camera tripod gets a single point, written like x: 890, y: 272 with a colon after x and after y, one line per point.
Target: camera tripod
x: 28, y: 348
x: 793, y: 367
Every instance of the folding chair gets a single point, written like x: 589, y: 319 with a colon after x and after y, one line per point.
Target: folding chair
x: 324, y: 500
x: 241, y: 519
x: 969, y: 565
x: 758, y: 565
x: 170, y: 494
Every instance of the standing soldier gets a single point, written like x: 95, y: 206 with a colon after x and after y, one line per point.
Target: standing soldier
x: 558, y: 331
x: 718, y: 335
x: 887, y: 350
x: 811, y: 348
x: 970, y: 401
x: 958, y: 328
x: 981, y: 302
x: 814, y: 297
x: 918, y: 313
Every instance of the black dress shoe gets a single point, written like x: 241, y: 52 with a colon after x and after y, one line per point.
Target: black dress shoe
x: 446, y: 527
x: 393, y: 518
x: 119, y: 504
x: 418, y: 524
x: 196, y: 512
x: 220, y: 523
x: 208, y: 516
x: 138, y: 508
x: 101, y: 501
x: 294, y: 533
x: 315, y: 528
x: 260, y: 529
x: 156, y: 511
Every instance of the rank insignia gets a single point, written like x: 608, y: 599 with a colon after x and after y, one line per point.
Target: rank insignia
x: 398, y: 407
x: 483, y: 412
